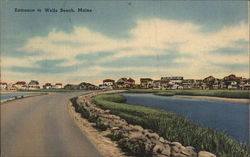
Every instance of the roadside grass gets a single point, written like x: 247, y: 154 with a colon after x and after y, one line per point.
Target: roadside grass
x: 87, y: 115
x: 244, y: 94
x: 172, y: 127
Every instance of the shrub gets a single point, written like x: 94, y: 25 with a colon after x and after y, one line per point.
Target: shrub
x: 100, y: 125
x: 114, y: 136
x: 93, y: 118
x: 135, y: 148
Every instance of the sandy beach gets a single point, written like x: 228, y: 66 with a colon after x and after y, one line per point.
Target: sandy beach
x: 233, y: 100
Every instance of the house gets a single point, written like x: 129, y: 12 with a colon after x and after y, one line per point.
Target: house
x: 164, y: 84
x: 20, y: 85
x: 198, y: 84
x: 217, y: 84
x: 130, y: 83
x: 173, y: 81
x: 47, y: 86
x: 71, y: 86
x: 92, y: 87
x: 109, y: 82
x: 245, y: 83
x: 125, y: 83
x: 11, y: 86
x: 208, y: 82
x: 232, y: 82
x: 87, y: 86
x: 33, y: 84
x: 188, y: 83
x: 84, y: 85
x: 58, y: 86
x: 3, y: 85
x: 146, y: 82
x: 157, y: 84
x: 122, y: 83
x: 101, y: 86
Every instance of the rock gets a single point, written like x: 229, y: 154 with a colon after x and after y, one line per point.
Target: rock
x: 136, y: 135
x: 158, y: 148
x: 107, y: 111
x: 159, y: 155
x: 175, y: 154
x: 148, y: 146
x: 175, y: 149
x: 161, y: 139
x: 126, y: 128
x: 152, y: 136
x: 166, y: 151
x: 178, y: 144
x: 136, y: 128
x: 185, y: 152
x: 115, y: 128
x: 191, y: 151
x: 205, y: 154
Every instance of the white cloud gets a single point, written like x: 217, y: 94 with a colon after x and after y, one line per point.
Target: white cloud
x: 149, y: 38
x: 153, y: 33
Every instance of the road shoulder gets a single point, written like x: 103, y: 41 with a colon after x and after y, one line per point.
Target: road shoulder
x: 106, y: 147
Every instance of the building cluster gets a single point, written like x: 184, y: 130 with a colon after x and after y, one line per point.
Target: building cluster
x: 173, y: 82
x: 34, y: 85
x: 178, y: 82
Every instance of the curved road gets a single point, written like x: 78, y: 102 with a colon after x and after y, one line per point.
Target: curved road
x: 42, y: 127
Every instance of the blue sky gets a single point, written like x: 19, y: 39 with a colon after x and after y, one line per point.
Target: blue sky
x: 124, y: 39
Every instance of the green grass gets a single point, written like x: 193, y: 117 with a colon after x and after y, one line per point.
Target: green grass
x: 215, y: 93
x: 172, y: 127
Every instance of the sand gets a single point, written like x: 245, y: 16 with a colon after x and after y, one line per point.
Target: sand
x: 233, y: 100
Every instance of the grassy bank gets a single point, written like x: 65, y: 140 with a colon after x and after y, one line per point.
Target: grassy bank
x: 172, y: 127
x: 242, y: 94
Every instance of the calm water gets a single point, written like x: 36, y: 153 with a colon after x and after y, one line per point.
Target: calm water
x: 231, y: 118
x: 12, y: 95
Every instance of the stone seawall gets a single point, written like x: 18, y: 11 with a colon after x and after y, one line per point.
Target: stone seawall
x: 147, y: 142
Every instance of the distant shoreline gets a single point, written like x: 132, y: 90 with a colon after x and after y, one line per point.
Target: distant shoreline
x: 9, y: 92
x: 232, y: 100
x: 21, y: 97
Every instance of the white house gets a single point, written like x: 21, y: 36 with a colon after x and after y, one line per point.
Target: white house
x: 108, y: 82
x: 20, y: 84
x: 58, y: 86
x: 3, y: 85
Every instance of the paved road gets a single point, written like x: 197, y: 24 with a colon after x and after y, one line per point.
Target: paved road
x: 41, y: 126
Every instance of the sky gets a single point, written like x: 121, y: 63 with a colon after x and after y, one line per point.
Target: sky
x: 194, y: 39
